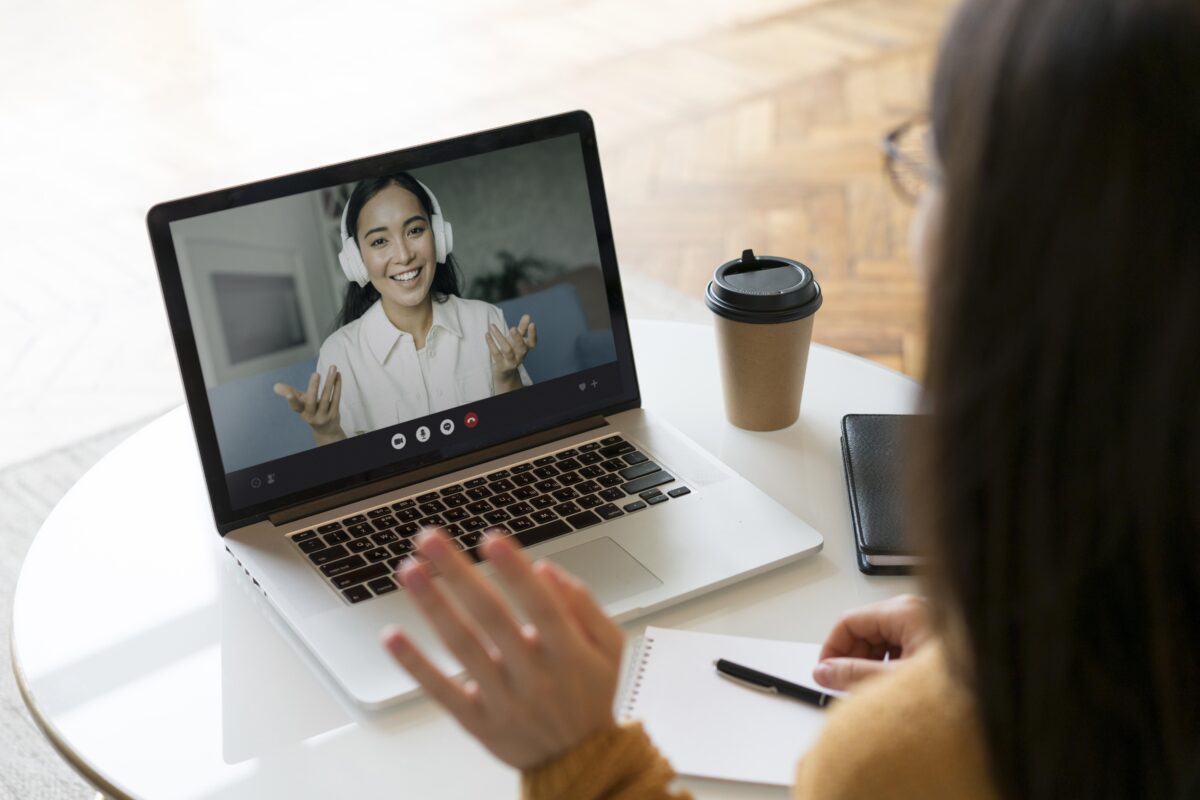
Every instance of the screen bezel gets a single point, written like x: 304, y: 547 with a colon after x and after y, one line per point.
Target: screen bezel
x: 159, y: 218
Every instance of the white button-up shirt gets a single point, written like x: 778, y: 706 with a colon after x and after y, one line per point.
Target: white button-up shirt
x: 386, y: 380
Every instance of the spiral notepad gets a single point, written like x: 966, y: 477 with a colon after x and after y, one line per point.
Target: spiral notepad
x: 709, y: 727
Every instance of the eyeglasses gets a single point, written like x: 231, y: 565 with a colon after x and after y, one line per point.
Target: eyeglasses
x: 907, y: 160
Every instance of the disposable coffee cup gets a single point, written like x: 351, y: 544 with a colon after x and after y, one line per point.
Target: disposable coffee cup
x: 764, y: 308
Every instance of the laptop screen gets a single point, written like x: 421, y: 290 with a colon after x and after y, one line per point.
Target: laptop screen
x: 425, y: 309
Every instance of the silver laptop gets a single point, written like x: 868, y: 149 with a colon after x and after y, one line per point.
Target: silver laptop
x: 436, y: 337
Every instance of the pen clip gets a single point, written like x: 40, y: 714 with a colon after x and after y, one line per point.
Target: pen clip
x: 748, y: 684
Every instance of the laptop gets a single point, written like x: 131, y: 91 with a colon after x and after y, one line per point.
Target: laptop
x: 436, y: 336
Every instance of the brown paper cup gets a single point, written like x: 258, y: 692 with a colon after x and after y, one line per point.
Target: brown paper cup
x: 762, y: 371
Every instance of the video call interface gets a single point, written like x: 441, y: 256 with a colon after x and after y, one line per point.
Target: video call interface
x: 412, y: 310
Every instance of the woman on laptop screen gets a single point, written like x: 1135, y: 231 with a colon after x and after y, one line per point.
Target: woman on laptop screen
x: 409, y: 344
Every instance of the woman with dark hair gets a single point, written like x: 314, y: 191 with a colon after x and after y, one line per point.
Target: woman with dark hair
x: 408, y: 345
x: 1059, y: 654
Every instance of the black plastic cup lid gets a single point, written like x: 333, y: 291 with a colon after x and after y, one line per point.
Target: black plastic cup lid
x: 762, y: 289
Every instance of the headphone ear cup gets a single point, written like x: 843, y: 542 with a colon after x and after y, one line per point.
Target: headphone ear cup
x: 352, y: 264
x: 446, y: 240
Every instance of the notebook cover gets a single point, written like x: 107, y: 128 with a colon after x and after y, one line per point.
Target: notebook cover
x: 873, y: 456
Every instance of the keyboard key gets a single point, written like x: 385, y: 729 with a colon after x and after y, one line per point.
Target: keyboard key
x: 584, y: 519
x: 566, y: 509
x: 648, y: 481
x: 547, y: 486
x: 501, y: 500
x: 503, y: 485
x: 328, y: 527
x: 383, y: 523
x: 408, y: 529
x: 356, y: 594
x: 611, y: 440
x: 456, y: 500
x: 521, y: 524
x: 453, y: 530
x: 474, y: 524
x: 499, y: 515
x: 312, y: 545
x: 543, y: 516
x: 449, y: 490
x: 378, y: 554
x: 402, y: 547
x: 587, y: 487
x: 328, y: 554
x: 542, y: 501
x: 568, y: 464
x: 495, y: 476
x: 545, y: 472
x: 428, y: 497
x: 497, y: 530
x: 524, y: 479
x: 337, y: 537
x: 635, y: 458
x: 524, y: 492
x: 334, y: 568
x: 590, y: 501
x: 542, y: 533
x: 609, y: 480
x: 543, y: 461
x: 638, y: 470
x: 609, y: 511
x: 569, y: 478
x: 481, y: 507
x: 613, y: 465
x: 360, y: 545
x: 519, y: 468
x: 378, y: 512
x: 385, y: 537
x: 519, y: 509
x: 479, y: 492
x: 589, y: 447
x: 360, y: 575
x: 636, y: 505
x: 409, y: 514
x: 679, y: 491
x: 471, y: 539
x: 435, y: 507
x: 656, y: 499
x: 361, y: 529
x: 612, y: 494
x: 568, y: 453
x: 591, y: 472
x: 612, y: 451
x: 566, y: 494
x: 382, y: 585
x: 394, y: 562
x: 434, y: 521
x: 456, y: 515
x: 474, y: 482
x: 646, y: 495
x: 357, y: 519
x: 403, y: 504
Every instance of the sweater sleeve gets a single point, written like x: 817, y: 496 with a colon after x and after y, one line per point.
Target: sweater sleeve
x: 617, y: 763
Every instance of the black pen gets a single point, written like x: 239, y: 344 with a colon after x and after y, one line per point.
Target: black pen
x: 760, y: 681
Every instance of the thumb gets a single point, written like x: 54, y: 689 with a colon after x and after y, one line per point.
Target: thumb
x: 843, y: 673
x: 283, y: 390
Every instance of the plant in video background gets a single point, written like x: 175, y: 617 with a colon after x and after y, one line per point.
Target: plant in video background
x: 516, y: 276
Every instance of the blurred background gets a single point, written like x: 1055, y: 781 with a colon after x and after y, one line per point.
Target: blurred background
x: 722, y: 125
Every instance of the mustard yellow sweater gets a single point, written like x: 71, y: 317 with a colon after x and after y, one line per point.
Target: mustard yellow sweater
x: 911, y: 733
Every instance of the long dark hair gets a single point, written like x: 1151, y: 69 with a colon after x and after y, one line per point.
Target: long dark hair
x: 1058, y: 478
x: 359, y: 298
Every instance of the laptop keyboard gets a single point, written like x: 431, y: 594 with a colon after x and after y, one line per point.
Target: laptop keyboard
x: 532, y: 501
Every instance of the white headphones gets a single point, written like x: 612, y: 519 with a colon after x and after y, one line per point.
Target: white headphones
x: 351, y: 259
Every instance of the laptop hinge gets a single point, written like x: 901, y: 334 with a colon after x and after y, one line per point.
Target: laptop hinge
x: 434, y: 470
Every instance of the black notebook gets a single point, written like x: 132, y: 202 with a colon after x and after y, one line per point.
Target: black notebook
x: 874, y: 458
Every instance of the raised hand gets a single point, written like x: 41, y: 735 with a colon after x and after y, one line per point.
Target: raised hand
x: 317, y: 407
x: 508, y: 351
x: 534, y: 691
x: 855, y: 648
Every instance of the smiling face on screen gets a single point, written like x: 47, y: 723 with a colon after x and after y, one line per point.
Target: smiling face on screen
x: 397, y: 246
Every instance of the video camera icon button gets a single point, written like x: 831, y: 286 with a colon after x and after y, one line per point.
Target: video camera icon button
x: 471, y: 419
x: 398, y: 441
x: 423, y: 434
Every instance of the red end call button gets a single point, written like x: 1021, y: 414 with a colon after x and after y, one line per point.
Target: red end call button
x: 471, y: 419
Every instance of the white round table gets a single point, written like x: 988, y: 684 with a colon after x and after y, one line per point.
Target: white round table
x: 154, y: 668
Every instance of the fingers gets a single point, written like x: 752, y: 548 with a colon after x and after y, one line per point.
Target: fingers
x: 870, y: 631
x: 478, y: 597
x: 492, y: 348
x: 327, y: 395
x: 517, y: 343
x: 523, y: 325
x: 451, y: 695
x: 336, y: 403
x: 531, y: 592
x: 454, y: 631
x: 843, y: 673
x: 293, y: 396
x: 599, y: 627
x: 502, y: 343
x: 310, y: 397
x: 531, y: 336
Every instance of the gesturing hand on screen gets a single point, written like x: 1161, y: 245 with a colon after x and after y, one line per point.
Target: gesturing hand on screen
x: 856, y: 646
x: 535, y: 690
x: 316, y: 407
x: 508, y: 351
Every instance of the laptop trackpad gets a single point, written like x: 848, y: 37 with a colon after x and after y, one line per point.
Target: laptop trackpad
x: 610, y: 572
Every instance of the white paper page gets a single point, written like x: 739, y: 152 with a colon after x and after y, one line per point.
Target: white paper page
x: 708, y: 726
